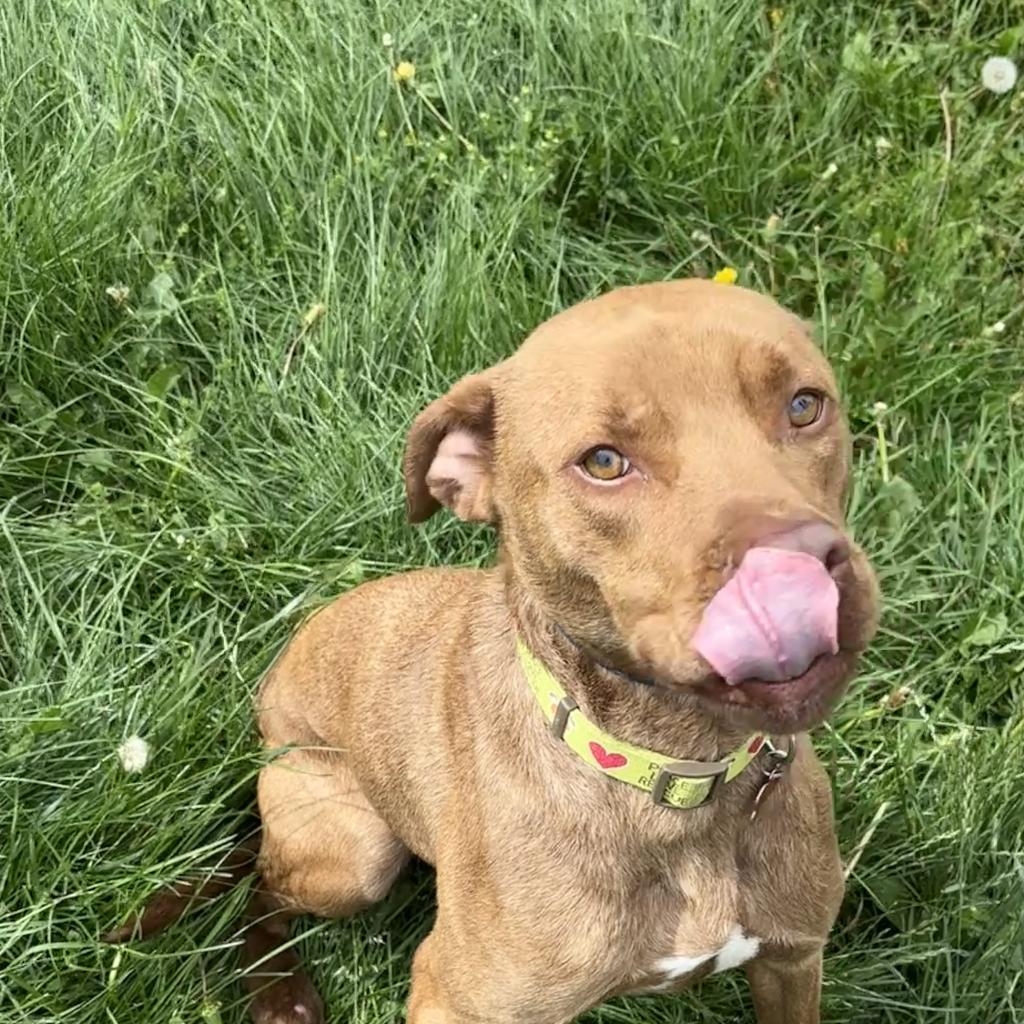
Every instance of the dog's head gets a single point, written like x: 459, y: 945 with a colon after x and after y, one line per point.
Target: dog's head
x: 668, y: 466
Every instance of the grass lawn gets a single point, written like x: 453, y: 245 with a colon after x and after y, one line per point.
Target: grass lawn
x: 236, y: 256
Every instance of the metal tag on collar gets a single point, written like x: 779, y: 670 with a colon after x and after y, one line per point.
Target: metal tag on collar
x: 778, y: 761
x: 694, y: 771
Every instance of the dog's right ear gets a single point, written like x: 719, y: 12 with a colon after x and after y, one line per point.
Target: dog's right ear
x: 448, y: 453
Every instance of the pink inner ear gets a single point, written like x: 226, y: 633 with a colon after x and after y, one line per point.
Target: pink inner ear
x: 457, y: 476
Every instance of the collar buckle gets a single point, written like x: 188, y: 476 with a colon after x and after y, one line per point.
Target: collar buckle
x: 566, y: 706
x: 710, y: 771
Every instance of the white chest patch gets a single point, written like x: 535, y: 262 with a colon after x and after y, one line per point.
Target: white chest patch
x: 677, y: 966
x: 738, y: 949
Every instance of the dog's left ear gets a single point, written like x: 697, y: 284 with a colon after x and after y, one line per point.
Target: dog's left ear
x: 448, y: 453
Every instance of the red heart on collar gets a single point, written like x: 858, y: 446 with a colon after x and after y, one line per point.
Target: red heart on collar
x: 606, y: 760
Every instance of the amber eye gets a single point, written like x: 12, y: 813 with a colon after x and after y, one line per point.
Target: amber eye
x: 605, y: 464
x: 806, y: 408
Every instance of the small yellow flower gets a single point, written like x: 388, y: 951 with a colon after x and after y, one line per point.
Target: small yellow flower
x: 313, y: 314
x: 405, y: 71
x: 727, y: 275
x: 775, y: 16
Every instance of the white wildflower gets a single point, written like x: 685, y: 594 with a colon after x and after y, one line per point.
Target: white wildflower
x: 882, y: 145
x: 388, y: 40
x: 879, y: 408
x: 999, y: 74
x: 133, y: 754
x: 997, y: 328
x: 118, y: 294
x: 829, y: 171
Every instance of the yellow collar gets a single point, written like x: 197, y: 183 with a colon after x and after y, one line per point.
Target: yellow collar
x: 681, y: 784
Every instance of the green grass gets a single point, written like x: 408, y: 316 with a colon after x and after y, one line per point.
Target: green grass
x: 184, y: 472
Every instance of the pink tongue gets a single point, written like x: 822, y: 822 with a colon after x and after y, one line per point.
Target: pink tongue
x: 772, y: 619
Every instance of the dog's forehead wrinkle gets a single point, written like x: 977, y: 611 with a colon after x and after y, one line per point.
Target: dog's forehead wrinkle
x: 642, y: 394
x: 765, y: 364
x: 665, y: 360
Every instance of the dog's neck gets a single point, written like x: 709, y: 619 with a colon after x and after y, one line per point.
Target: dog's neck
x: 651, y: 716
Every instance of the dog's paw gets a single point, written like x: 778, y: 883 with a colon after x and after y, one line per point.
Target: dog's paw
x: 288, y: 1001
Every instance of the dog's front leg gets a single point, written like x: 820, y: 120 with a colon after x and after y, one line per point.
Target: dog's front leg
x: 428, y: 1003
x: 447, y: 991
x: 786, y: 991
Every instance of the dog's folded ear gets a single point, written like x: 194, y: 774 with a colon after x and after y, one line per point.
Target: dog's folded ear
x: 448, y: 453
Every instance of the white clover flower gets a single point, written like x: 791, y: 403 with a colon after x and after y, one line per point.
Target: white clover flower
x: 388, y: 40
x: 879, y: 408
x: 133, y: 754
x: 997, y: 328
x: 829, y: 171
x: 118, y: 294
x: 882, y: 145
x: 999, y: 74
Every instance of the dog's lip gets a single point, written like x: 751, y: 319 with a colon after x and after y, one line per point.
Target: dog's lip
x: 825, y: 671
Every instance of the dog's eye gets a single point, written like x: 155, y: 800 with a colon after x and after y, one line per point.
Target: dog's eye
x: 604, y: 464
x: 806, y: 408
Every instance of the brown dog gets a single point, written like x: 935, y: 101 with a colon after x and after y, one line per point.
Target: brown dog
x: 567, y: 737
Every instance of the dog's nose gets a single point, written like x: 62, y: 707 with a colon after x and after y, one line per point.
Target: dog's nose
x: 812, y: 537
x: 809, y: 535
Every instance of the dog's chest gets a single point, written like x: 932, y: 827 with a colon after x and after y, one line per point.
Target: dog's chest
x: 668, y: 972
x: 703, y: 936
